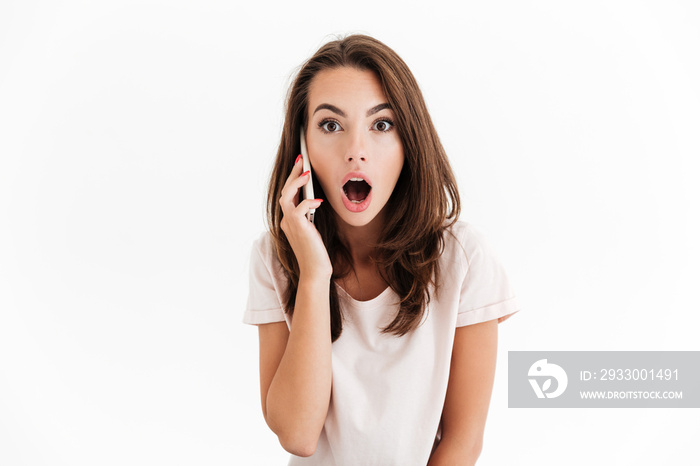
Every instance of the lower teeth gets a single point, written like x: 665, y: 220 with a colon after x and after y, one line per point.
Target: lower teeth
x: 352, y: 200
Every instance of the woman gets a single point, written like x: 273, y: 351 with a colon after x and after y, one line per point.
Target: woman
x: 378, y: 322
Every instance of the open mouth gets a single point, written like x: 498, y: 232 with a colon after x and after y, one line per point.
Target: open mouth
x: 356, y: 190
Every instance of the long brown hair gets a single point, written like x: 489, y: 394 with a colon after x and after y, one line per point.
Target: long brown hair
x: 425, y: 201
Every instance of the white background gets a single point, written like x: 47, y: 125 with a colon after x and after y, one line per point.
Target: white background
x: 136, y: 139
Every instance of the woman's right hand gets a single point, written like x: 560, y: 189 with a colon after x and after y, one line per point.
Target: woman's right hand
x: 302, y: 235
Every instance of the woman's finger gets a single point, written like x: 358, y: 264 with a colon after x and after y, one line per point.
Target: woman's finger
x: 296, y: 169
x: 290, y: 192
x: 308, y: 204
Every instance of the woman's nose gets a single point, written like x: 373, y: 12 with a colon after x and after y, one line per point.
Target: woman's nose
x: 357, y: 147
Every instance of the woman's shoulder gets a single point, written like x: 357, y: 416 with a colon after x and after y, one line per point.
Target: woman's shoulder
x: 264, y: 240
x: 463, y: 233
x: 264, y: 246
x: 463, y: 240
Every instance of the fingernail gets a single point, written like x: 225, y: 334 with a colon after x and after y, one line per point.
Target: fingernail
x: 306, y: 172
x: 298, y: 157
x: 321, y: 200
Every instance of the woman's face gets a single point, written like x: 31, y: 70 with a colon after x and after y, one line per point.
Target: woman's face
x: 354, y: 148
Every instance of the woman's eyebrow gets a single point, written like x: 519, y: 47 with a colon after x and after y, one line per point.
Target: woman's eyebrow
x: 335, y: 109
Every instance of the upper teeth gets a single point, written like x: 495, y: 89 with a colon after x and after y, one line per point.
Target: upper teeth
x: 356, y: 179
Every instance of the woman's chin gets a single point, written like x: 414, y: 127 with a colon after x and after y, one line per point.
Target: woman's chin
x: 356, y: 219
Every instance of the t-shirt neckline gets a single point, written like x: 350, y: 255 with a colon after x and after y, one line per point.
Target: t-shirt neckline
x: 380, y: 300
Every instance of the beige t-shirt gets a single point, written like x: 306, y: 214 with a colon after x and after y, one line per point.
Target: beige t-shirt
x: 388, y: 392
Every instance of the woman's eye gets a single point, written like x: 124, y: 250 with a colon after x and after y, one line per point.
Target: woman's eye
x: 383, y: 125
x: 329, y: 126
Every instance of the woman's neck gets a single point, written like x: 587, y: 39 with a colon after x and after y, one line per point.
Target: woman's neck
x: 360, y: 240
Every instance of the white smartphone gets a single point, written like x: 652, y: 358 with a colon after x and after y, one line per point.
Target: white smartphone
x: 309, y: 186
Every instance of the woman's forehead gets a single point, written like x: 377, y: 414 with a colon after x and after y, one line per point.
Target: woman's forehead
x: 348, y: 89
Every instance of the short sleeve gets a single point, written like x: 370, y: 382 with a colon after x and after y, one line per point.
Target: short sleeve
x: 264, y: 305
x: 485, y: 293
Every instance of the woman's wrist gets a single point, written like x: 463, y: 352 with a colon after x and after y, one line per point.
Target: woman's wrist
x: 315, y: 279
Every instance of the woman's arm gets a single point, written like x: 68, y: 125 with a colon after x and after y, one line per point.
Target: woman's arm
x: 295, y: 367
x: 295, y: 371
x: 472, y: 373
